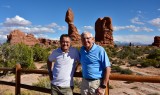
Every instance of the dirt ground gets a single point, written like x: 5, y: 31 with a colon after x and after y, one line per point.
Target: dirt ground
x: 117, y: 87
x: 136, y: 88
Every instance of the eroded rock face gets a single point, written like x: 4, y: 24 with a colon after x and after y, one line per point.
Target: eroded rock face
x: 103, y: 31
x: 156, y: 41
x: 48, y: 42
x: 72, y: 30
x: 16, y: 36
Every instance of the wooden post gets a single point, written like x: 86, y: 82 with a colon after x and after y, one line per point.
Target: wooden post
x: 107, y: 89
x: 18, y: 80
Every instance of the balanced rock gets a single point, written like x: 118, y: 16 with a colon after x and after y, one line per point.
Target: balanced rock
x: 72, y: 30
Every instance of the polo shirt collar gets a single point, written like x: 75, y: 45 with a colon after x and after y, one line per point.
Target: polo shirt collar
x: 93, y: 47
x: 60, y: 50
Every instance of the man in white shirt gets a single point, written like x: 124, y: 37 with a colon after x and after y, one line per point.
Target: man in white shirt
x: 65, y: 58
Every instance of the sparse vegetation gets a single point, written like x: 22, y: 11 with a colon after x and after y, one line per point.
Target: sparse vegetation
x: 43, y: 82
x: 40, y: 53
x: 144, y: 56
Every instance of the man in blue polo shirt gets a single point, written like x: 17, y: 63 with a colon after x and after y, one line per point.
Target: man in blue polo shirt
x: 95, y: 66
x: 65, y: 58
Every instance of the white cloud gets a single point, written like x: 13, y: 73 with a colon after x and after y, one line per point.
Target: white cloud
x: 132, y: 28
x: 155, y: 22
x: 52, y: 25
x: 145, y: 39
x: 3, y: 38
x: 41, y: 36
x: 56, y: 26
x: 33, y: 30
x: 62, y: 28
x: 137, y: 21
x: 16, y: 21
x: 20, y: 23
x: 88, y: 27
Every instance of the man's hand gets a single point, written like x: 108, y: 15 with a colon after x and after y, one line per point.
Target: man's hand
x: 50, y: 75
x: 100, y: 91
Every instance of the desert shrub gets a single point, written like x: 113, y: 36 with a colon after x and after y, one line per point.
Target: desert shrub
x: 110, y: 87
x: 120, y: 70
x: 40, y: 53
x: 135, y: 62
x: 77, y: 83
x: 126, y: 71
x: 118, y: 62
x: 135, y: 87
x: 111, y: 51
x: 130, y: 53
x: 19, y: 53
x: 31, y: 92
x: 7, y: 92
x: 123, y: 53
x: 24, y: 55
x: 116, y: 69
x: 43, y: 82
x: 150, y: 62
x: 154, y: 55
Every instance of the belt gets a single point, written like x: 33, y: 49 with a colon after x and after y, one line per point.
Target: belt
x: 92, y: 79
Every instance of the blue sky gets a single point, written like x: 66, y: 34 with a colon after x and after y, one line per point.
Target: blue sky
x: 133, y: 20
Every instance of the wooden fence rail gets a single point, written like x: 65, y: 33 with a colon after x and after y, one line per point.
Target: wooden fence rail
x: 121, y: 77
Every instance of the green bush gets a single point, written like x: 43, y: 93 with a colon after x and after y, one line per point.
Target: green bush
x: 40, y: 53
x: 19, y: 53
x: 154, y: 55
x: 126, y: 71
x: 150, y: 62
x: 120, y: 70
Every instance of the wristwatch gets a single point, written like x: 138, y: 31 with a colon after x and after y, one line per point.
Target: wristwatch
x: 102, y: 86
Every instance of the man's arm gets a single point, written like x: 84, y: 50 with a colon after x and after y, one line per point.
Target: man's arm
x: 78, y: 67
x: 49, y: 66
x: 103, y: 85
x: 106, y: 75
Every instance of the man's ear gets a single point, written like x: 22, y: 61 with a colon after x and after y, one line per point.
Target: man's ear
x: 93, y: 39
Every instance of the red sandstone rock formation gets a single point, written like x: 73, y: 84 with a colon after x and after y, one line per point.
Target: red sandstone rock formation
x: 72, y: 30
x: 156, y: 41
x: 103, y: 31
x: 16, y: 36
x: 48, y: 42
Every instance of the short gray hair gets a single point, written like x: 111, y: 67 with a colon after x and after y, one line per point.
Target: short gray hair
x: 86, y: 32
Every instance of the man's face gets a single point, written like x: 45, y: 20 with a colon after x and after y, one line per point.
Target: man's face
x: 87, y: 41
x: 65, y: 44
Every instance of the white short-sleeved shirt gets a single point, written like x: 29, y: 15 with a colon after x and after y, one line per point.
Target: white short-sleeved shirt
x: 64, y: 66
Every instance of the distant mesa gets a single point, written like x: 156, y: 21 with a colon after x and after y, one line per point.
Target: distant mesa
x: 17, y: 36
x: 156, y: 41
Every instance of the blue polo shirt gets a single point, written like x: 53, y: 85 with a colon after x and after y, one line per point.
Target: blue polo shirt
x: 94, y: 62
